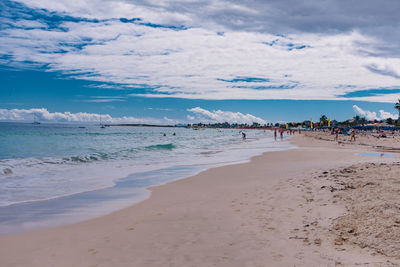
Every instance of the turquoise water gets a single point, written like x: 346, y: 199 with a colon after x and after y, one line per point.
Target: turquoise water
x: 48, y: 161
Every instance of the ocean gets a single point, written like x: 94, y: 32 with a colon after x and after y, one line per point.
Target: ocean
x: 51, y: 174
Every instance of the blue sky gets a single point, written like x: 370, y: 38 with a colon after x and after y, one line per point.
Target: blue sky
x: 179, y: 61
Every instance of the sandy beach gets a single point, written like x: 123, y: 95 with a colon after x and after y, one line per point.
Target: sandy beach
x: 199, y: 133
x: 321, y: 204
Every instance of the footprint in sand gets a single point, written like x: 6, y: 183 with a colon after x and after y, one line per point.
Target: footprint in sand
x: 93, y: 251
x: 300, y: 255
x: 277, y: 256
x: 318, y: 241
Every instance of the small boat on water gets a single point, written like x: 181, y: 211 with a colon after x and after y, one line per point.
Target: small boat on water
x: 101, y: 124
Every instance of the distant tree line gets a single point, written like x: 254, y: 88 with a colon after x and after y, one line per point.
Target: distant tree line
x: 323, y: 121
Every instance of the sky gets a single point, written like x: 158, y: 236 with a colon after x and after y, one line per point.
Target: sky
x: 171, y: 61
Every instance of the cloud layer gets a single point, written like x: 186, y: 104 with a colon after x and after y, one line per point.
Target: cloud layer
x: 219, y: 116
x: 199, y: 115
x: 211, y: 49
x: 371, y: 115
x: 43, y: 115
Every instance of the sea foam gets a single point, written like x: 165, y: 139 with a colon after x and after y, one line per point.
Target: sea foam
x: 41, y: 162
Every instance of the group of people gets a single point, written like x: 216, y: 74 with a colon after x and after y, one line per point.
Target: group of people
x: 174, y: 134
x: 335, y: 131
x: 281, y: 131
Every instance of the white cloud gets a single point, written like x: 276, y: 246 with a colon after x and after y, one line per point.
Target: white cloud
x: 191, y: 63
x: 386, y: 115
x: 43, y: 115
x: 370, y: 115
x: 100, y: 9
x: 104, y: 100
x: 365, y: 113
x: 220, y: 116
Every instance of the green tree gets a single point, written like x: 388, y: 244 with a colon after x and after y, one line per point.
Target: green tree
x: 356, y: 119
x: 323, y: 120
x: 389, y: 121
x: 363, y: 121
x: 397, y: 106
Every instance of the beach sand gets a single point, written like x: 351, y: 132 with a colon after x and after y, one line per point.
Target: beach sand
x: 318, y: 205
x: 392, y: 143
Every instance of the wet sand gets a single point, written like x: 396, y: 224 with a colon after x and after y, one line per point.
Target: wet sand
x: 286, y: 208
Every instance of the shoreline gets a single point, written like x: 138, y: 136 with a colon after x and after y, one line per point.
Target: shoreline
x: 78, y: 207
x: 229, y: 215
x: 98, y: 159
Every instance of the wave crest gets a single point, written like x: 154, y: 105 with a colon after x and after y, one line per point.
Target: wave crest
x: 169, y: 146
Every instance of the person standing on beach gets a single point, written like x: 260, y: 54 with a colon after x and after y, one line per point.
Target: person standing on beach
x: 275, y: 134
x: 336, y: 134
x: 281, y: 133
x: 243, y: 135
x: 353, y: 136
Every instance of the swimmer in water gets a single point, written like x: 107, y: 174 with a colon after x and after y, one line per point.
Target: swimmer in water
x: 243, y: 135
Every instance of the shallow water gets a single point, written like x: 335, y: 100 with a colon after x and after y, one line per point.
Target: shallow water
x: 39, y: 162
x: 86, y: 172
